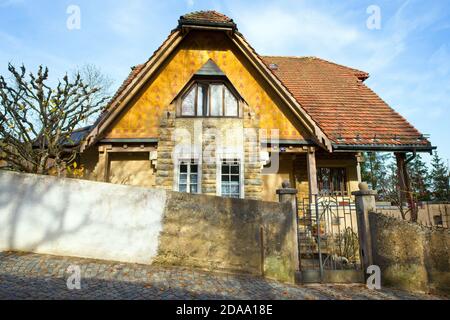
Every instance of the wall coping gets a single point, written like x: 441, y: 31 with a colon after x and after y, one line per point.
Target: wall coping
x: 287, y: 191
x: 365, y: 193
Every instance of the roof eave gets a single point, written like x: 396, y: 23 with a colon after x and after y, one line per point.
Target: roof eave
x: 192, y: 24
x: 120, y: 101
x: 384, y: 148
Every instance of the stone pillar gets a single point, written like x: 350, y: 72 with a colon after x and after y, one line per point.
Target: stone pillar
x: 165, y: 165
x: 365, y: 203
x: 289, y: 195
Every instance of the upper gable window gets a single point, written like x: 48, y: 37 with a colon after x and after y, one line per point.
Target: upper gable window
x: 209, y: 99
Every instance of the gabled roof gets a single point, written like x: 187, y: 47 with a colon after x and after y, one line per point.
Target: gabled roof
x: 329, y: 99
x: 341, y: 104
x: 144, y: 72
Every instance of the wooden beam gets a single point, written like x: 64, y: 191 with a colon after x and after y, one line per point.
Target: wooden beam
x: 404, y: 185
x: 104, y: 150
x: 312, y: 173
x: 106, y: 169
x: 134, y: 149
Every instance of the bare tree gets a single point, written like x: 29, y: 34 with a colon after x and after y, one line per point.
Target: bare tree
x: 95, y: 78
x: 37, y: 121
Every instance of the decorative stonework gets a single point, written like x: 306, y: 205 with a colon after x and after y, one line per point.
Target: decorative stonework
x: 165, y: 165
x: 252, y: 147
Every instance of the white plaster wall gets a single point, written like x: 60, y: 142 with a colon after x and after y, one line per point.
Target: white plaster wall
x: 79, y: 218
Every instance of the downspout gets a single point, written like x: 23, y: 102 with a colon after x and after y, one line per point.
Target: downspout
x: 411, y: 158
x: 410, y: 198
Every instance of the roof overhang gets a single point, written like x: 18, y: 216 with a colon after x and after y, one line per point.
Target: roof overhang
x: 384, y: 148
x: 128, y: 93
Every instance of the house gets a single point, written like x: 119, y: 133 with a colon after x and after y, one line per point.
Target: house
x: 207, y: 114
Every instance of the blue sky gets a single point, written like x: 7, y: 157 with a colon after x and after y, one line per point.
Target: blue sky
x: 408, y: 57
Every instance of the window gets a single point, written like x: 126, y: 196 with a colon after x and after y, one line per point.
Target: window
x: 231, y: 186
x: 206, y: 99
x: 188, y: 177
x: 332, y: 181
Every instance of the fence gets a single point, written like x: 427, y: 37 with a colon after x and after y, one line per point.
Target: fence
x: 430, y: 214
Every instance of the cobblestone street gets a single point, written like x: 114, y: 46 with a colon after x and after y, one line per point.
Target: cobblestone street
x: 32, y: 276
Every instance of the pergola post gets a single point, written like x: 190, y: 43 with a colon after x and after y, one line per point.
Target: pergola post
x: 359, y: 159
x: 312, y: 173
x: 404, y: 184
x: 104, y: 158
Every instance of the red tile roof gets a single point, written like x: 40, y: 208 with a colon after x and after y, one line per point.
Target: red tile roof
x: 133, y: 74
x: 345, y: 109
x: 341, y: 104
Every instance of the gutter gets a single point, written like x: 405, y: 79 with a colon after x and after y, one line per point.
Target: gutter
x: 307, y: 142
x: 386, y: 148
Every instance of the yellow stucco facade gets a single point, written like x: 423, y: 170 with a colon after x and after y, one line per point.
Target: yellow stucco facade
x: 142, y: 117
x: 152, y: 114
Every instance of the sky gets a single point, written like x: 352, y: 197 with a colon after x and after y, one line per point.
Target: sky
x: 404, y: 45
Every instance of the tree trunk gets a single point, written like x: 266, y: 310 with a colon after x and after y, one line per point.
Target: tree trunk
x: 404, y: 185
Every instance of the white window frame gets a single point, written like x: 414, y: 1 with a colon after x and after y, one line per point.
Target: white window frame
x: 200, y: 113
x: 189, y: 163
x: 219, y: 176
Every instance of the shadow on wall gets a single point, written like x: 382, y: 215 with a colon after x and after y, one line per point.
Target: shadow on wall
x: 79, y: 218
x: 24, y: 199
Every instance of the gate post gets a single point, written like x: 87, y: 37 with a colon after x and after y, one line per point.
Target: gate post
x: 365, y: 203
x: 289, y: 195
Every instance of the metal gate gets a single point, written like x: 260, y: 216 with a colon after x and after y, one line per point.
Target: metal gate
x: 328, y: 240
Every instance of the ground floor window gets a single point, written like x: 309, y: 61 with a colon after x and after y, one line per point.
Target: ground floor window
x: 332, y: 181
x: 188, y: 176
x: 231, y: 179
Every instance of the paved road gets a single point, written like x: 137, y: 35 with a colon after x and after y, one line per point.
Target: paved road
x: 32, y: 276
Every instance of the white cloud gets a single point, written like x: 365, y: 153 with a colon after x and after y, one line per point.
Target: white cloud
x: 275, y: 30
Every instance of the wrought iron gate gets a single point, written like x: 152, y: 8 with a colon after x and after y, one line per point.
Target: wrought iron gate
x: 328, y: 240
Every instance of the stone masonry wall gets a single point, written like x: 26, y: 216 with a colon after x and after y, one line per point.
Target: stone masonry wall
x: 411, y: 257
x: 95, y: 220
x: 231, y: 235
x: 165, y: 165
x: 252, y: 180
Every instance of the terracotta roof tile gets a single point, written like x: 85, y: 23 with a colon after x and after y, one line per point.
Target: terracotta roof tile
x: 341, y: 104
x: 336, y: 98
x: 133, y: 73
